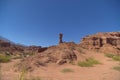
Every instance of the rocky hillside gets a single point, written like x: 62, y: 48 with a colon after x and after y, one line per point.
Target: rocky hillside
x: 60, y: 54
x: 65, y: 52
x: 69, y: 52
x: 104, y: 42
x: 9, y: 48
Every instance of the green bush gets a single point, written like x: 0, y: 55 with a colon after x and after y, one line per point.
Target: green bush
x: 88, y: 62
x: 66, y: 70
x: 4, y: 59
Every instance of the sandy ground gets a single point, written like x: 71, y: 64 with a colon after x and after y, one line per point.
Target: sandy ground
x: 102, y: 71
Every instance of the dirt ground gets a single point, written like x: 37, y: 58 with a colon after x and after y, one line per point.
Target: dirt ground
x: 102, y: 71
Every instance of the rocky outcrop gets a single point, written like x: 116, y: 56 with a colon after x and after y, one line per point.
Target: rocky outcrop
x: 4, y: 43
x: 34, y: 49
x: 104, y: 42
x: 9, y: 48
x: 60, y: 54
x: 60, y: 38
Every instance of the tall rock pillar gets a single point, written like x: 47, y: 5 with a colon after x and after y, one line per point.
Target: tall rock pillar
x: 60, y: 38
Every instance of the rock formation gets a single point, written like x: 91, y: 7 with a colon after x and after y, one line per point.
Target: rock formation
x: 104, y: 42
x: 64, y: 52
x: 60, y: 54
x: 4, y: 43
x: 17, y: 49
x: 10, y: 48
x: 34, y: 49
x: 60, y: 38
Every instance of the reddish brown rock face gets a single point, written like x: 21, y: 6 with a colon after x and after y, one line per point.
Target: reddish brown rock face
x: 4, y: 44
x: 14, y: 49
x: 35, y: 49
x: 102, y: 41
x: 10, y: 48
x: 60, y: 54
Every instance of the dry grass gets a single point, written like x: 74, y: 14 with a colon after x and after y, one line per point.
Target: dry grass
x: 4, y: 59
x: 109, y: 55
x: 116, y: 68
x: 67, y: 70
x: 90, y: 62
x: 22, y: 74
x: 114, y: 57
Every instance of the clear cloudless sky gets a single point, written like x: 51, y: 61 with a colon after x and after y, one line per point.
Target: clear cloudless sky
x: 39, y: 22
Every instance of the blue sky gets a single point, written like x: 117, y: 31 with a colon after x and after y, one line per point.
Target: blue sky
x: 38, y: 22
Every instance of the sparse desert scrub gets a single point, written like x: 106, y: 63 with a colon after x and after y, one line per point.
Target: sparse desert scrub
x: 4, y: 59
x: 116, y: 68
x: 22, y: 74
x: 114, y: 57
x: 90, y: 62
x: 67, y: 70
x: 109, y: 55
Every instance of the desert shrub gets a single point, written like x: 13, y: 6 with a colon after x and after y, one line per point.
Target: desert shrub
x: 88, y: 62
x: 116, y: 68
x: 66, y: 70
x: 85, y: 64
x: 4, y: 59
x: 22, y: 74
x: 114, y: 57
x: 109, y: 55
x: 93, y: 61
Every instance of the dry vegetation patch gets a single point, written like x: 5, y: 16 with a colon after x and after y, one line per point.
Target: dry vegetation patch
x: 116, y: 68
x: 67, y: 70
x: 90, y: 62
x: 4, y: 59
x: 113, y: 56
